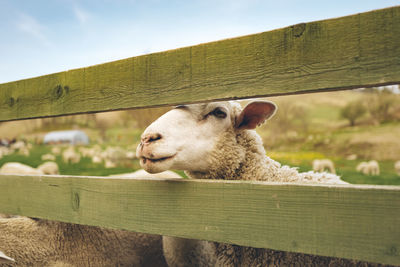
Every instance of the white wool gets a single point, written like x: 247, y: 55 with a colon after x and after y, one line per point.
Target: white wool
x: 49, y: 167
x: 19, y: 168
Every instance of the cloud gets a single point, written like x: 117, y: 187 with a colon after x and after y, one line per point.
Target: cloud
x: 82, y: 15
x: 32, y: 27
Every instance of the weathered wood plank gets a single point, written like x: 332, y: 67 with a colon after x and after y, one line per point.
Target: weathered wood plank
x: 342, y: 53
x: 351, y: 221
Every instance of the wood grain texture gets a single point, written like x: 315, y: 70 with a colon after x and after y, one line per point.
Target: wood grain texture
x: 349, y: 52
x: 351, y: 221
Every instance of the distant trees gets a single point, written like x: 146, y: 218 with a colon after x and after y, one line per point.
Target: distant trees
x: 353, y: 111
x: 380, y: 104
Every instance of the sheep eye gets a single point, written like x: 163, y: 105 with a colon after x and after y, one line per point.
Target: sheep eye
x: 218, y: 113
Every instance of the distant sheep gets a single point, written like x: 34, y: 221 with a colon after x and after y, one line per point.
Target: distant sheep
x: 56, y: 150
x: 49, y: 167
x: 397, y: 167
x: 352, y: 157
x: 97, y: 159
x: 108, y: 164
x: 321, y: 165
x: 19, y: 168
x: 70, y: 156
x: 50, y: 157
x: 18, y: 145
x: 368, y: 168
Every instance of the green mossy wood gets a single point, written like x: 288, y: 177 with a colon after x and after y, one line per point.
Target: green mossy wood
x: 358, y: 222
x: 351, y: 221
x: 354, y: 51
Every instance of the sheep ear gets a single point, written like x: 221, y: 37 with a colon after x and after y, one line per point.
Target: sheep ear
x: 254, y: 114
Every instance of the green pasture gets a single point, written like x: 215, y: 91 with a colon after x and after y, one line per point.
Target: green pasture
x: 345, y: 168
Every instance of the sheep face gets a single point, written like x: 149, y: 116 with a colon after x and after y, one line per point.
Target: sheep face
x: 185, y: 137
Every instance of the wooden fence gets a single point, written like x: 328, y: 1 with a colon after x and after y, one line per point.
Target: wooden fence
x: 351, y: 221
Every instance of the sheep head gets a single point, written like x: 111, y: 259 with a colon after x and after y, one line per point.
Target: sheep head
x: 185, y: 137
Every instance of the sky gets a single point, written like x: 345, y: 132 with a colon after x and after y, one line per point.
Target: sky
x: 41, y: 37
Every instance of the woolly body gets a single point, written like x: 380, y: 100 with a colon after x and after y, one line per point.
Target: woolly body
x: 34, y: 242
x: 320, y: 165
x: 19, y: 168
x: 368, y: 168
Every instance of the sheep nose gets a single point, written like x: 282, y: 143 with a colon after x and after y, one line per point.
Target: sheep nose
x: 151, y: 137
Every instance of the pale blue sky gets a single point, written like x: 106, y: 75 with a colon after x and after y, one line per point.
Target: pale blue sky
x: 41, y: 37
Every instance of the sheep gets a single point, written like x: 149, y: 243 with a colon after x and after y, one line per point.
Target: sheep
x: 19, y: 168
x: 56, y: 150
x: 70, y: 156
x: 368, y: 168
x: 48, y: 157
x: 352, y: 157
x: 108, y: 164
x: 38, y: 242
x: 397, y: 167
x: 49, y: 167
x: 86, y: 152
x: 217, y: 141
x: 321, y: 165
x: 97, y: 159
x: 18, y: 145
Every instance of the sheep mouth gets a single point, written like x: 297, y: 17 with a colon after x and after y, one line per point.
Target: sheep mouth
x: 153, y: 160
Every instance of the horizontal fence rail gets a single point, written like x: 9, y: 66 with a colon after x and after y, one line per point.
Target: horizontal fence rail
x: 349, y: 52
x: 350, y: 221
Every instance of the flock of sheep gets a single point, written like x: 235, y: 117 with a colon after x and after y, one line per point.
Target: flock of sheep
x: 207, y: 141
x: 365, y: 167
x: 109, y: 157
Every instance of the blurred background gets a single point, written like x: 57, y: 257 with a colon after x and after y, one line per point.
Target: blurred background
x: 42, y: 37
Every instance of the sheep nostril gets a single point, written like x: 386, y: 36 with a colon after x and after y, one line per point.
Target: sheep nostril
x: 151, y: 138
x: 155, y: 137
